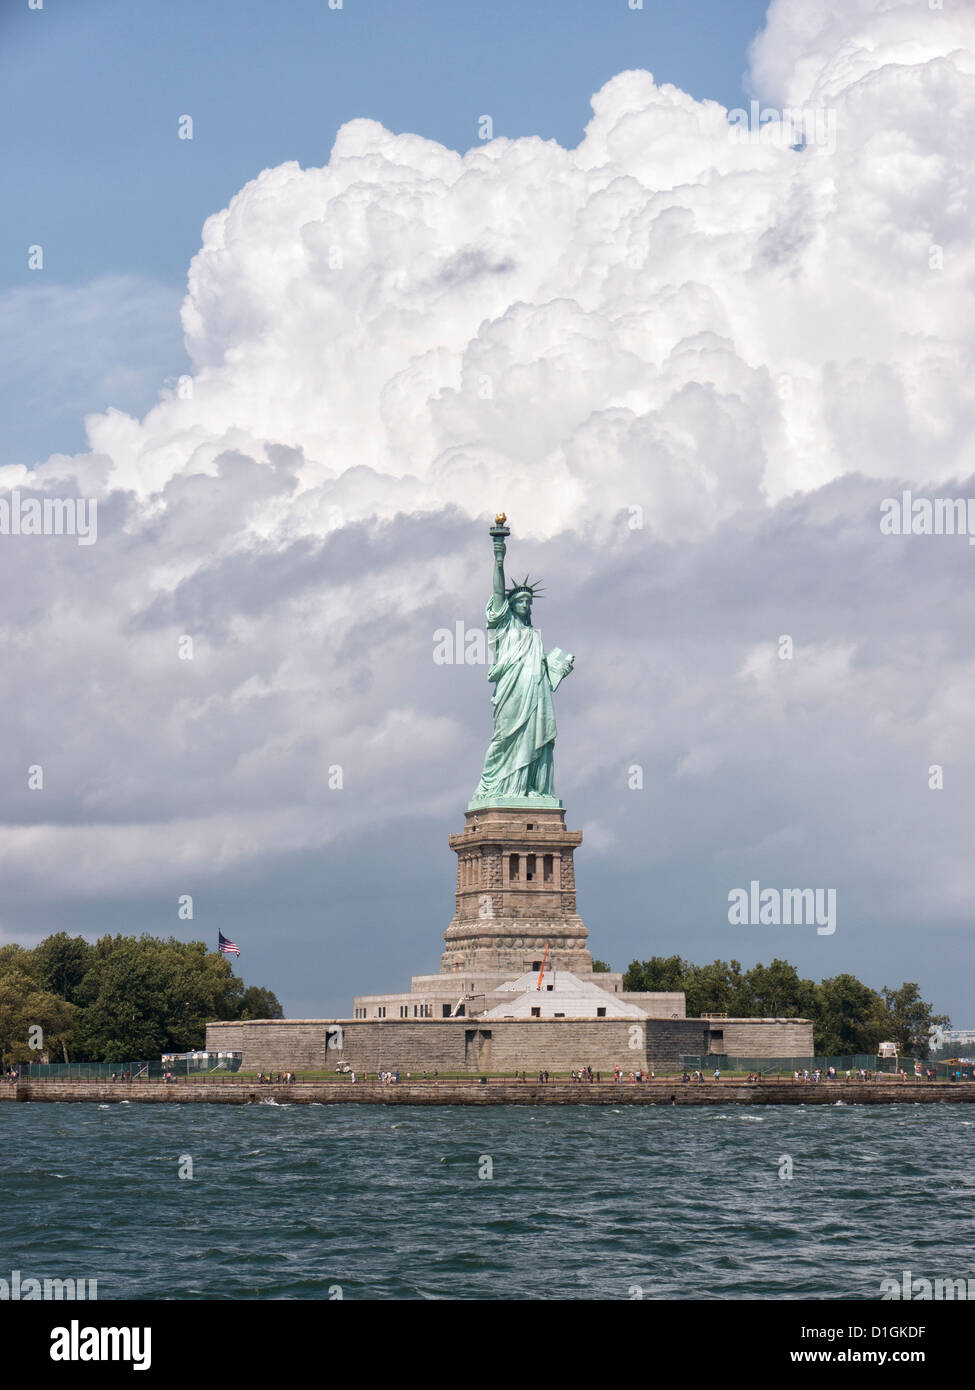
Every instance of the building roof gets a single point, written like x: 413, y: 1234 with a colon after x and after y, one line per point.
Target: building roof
x: 562, y: 995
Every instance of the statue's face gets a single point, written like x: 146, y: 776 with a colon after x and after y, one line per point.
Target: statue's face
x: 522, y: 605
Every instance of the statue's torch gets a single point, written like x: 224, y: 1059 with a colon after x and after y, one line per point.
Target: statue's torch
x: 499, y: 532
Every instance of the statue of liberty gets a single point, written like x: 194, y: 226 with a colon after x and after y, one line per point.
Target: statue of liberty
x: 518, y: 767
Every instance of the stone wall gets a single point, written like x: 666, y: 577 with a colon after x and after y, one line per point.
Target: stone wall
x: 567, y: 1044
x: 340, y: 1091
x: 659, y: 1004
x: 472, y: 1045
x: 754, y: 1037
x: 459, y: 1044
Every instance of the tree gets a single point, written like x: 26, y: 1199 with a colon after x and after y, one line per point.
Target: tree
x: 142, y: 998
x: 716, y: 989
x: 710, y: 989
x: 776, y: 991
x: 120, y: 999
x: 201, y: 988
x: 849, y: 1017
x: 28, y: 1014
x: 61, y: 963
x: 124, y: 1002
x: 13, y: 957
x: 665, y: 973
x: 600, y: 967
x: 259, y: 1003
x: 909, y: 1020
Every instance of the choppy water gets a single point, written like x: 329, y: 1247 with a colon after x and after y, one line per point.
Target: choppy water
x: 584, y: 1202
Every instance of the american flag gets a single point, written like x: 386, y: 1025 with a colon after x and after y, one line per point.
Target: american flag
x: 228, y: 947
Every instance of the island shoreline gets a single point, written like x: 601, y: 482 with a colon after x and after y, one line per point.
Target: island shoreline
x: 474, y: 1092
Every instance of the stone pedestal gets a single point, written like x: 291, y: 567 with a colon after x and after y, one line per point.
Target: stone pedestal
x: 515, y: 892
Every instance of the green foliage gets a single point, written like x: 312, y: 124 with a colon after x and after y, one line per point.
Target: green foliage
x: 61, y: 963
x: 777, y: 991
x: 710, y: 989
x: 599, y: 967
x: 120, y: 999
x: 23, y: 1008
x: 16, y: 958
x: 910, y: 1020
x: 657, y: 973
x: 715, y: 989
x: 260, y: 1003
x: 847, y: 1015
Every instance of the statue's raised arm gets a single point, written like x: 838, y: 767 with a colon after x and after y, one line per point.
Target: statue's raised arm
x: 518, y: 769
x: 498, y: 532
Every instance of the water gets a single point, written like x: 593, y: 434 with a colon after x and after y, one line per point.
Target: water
x: 584, y: 1202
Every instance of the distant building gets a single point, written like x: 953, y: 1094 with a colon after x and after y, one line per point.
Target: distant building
x: 956, y: 1039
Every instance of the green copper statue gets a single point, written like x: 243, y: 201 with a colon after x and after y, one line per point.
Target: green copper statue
x: 518, y: 769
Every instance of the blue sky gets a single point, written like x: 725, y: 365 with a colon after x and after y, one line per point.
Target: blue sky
x: 94, y: 172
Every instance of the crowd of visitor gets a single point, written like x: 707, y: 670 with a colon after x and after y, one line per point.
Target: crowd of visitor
x: 584, y: 1074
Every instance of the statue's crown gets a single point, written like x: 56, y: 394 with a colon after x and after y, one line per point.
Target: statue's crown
x: 525, y: 587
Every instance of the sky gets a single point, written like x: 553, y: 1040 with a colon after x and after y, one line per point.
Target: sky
x: 97, y: 174
x: 300, y: 360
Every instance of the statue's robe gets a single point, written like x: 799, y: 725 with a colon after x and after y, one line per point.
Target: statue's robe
x: 519, y: 760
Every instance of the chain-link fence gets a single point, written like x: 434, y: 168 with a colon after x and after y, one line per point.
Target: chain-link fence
x: 212, y: 1064
x: 787, y: 1066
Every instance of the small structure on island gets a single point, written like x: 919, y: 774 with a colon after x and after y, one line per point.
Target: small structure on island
x: 560, y: 995
x: 516, y: 988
